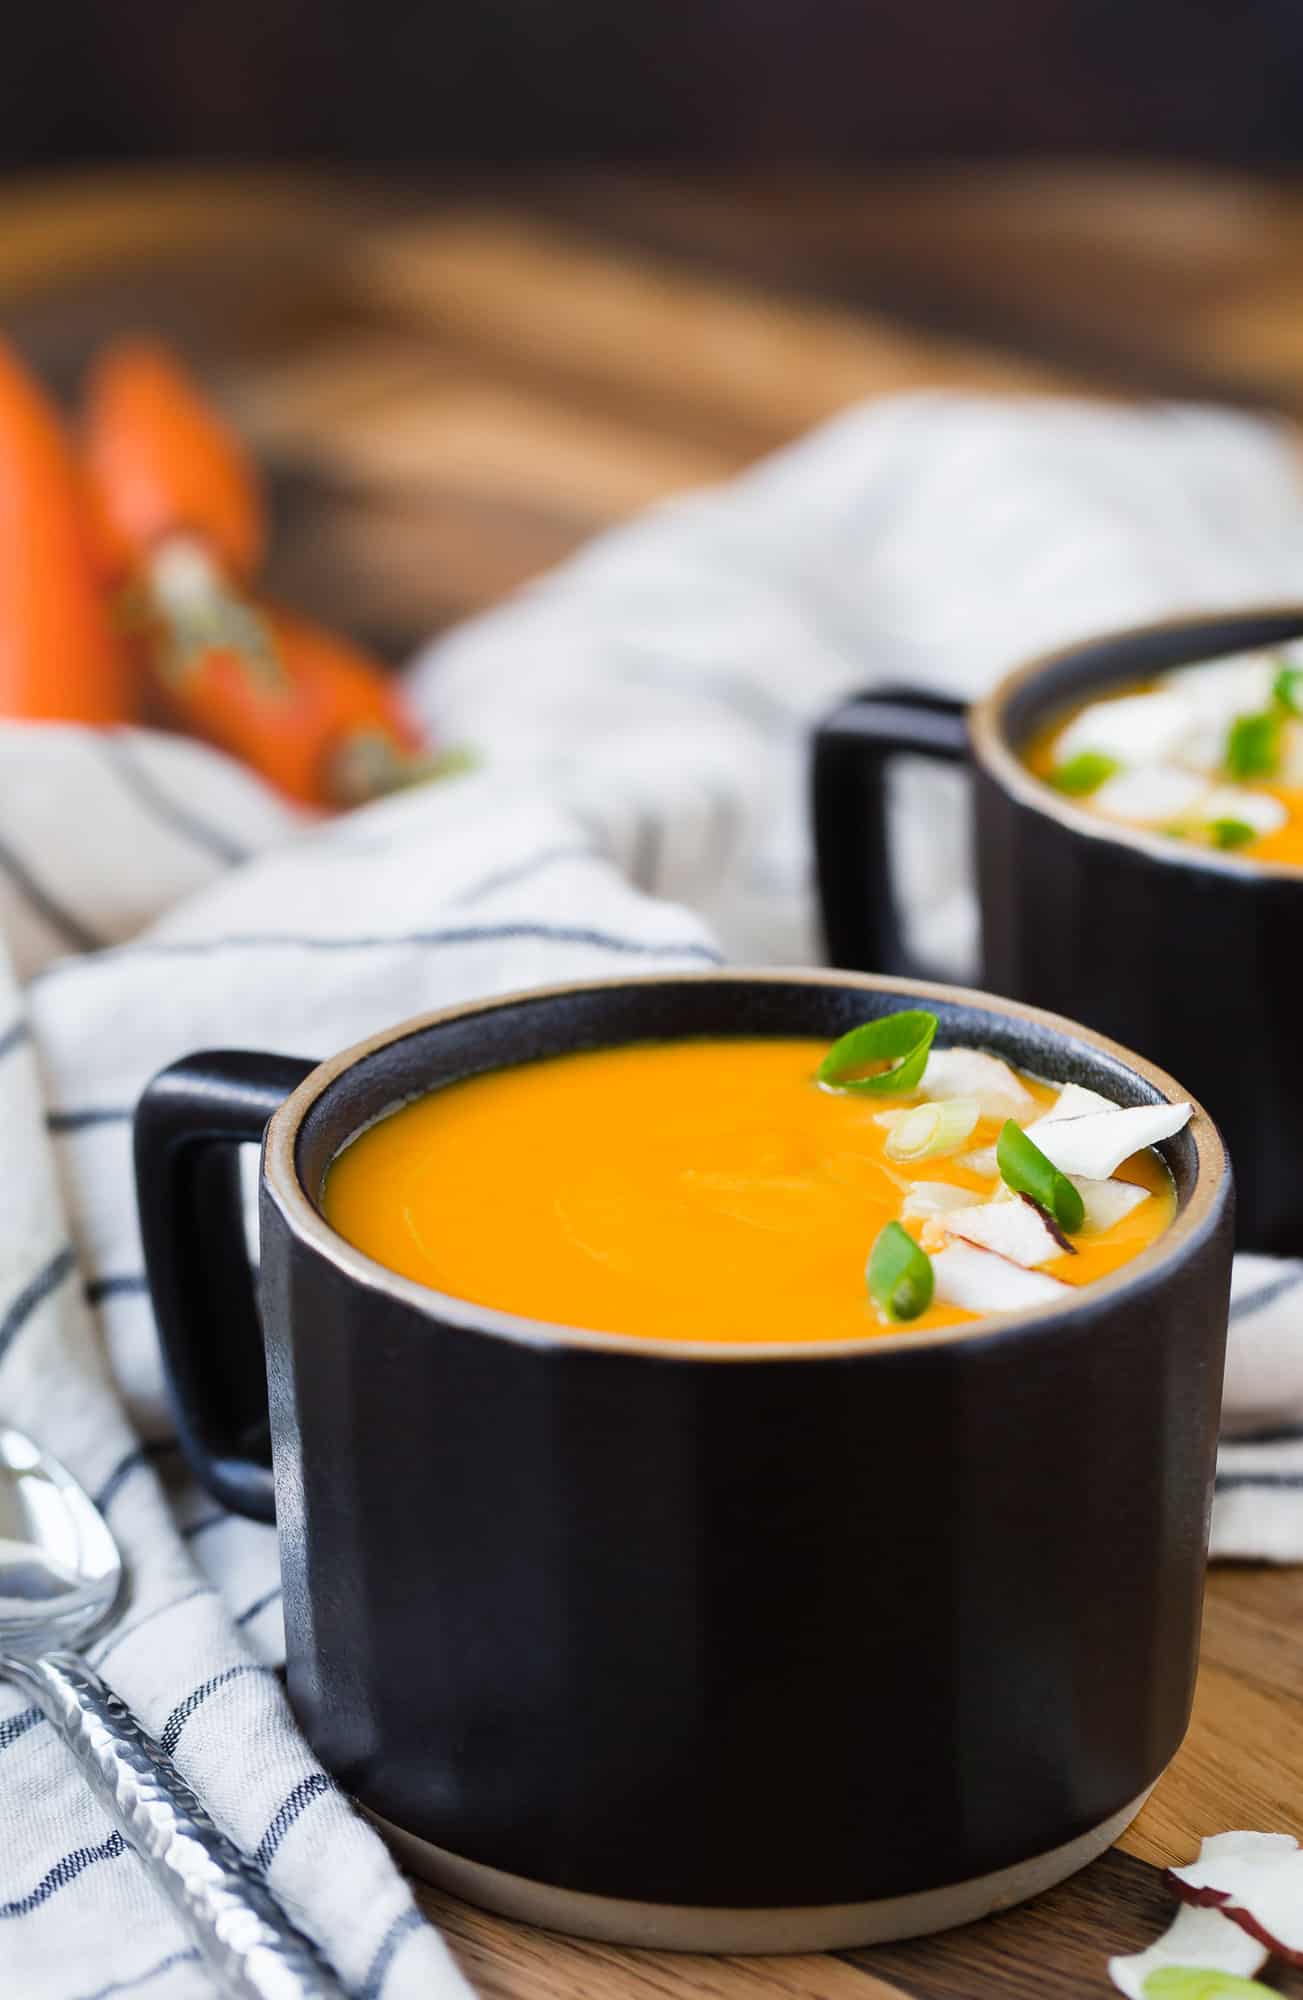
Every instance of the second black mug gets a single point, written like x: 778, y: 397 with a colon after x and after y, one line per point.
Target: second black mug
x: 1191, y: 955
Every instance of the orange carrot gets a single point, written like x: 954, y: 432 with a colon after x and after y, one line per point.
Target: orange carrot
x: 312, y: 714
x: 60, y: 659
x: 162, y: 462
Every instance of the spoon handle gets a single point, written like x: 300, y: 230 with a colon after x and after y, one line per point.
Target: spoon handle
x: 252, y: 1948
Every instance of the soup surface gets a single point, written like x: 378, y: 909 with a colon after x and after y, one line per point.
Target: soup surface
x: 1211, y: 754
x: 691, y: 1190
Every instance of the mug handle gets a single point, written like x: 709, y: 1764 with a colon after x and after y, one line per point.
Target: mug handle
x: 188, y: 1124
x: 861, y: 923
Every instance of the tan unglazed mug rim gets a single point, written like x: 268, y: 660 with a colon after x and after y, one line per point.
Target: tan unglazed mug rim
x: 992, y: 749
x: 304, y: 1218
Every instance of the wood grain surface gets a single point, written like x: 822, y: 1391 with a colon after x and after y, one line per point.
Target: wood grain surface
x: 453, y: 388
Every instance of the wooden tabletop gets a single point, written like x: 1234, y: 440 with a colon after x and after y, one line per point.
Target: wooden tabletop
x: 452, y: 387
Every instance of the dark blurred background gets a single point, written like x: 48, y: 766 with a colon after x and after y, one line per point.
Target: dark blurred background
x: 505, y: 80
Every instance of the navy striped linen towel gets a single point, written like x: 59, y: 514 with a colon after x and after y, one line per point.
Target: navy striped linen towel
x: 643, y: 714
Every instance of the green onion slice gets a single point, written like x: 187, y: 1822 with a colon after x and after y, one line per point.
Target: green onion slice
x: 1253, y: 746
x: 899, y: 1041
x: 1287, y: 690
x: 1084, y: 773
x: 899, y: 1274
x: 1232, y: 832
x: 1195, y: 1982
x: 1024, y: 1168
x: 930, y: 1130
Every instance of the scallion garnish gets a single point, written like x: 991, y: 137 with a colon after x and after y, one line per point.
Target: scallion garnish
x: 1025, y: 1169
x: 899, y: 1041
x: 899, y: 1274
x: 1190, y: 1982
x: 1084, y: 773
x: 1232, y: 832
x: 1253, y: 746
x: 1287, y: 690
x: 930, y: 1130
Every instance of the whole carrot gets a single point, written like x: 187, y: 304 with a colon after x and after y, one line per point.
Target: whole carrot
x: 162, y: 462
x: 180, y: 528
x: 308, y: 711
x: 60, y: 659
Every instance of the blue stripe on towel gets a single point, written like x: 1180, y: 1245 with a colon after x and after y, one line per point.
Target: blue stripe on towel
x: 291, y: 1809
x: 402, y: 1926
x: 456, y: 935
x: 47, y: 907
x: 34, y: 1294
x: 170, y: 1734
x: 140, y: 1979
x: 1266, y: 1295
x: 63, y: 1872
x: 16, y: 1726
x: 14, y: 1036
x: 149, y: 794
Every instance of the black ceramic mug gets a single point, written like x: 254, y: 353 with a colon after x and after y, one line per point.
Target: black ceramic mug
x: 1192, y: 955
x: 712, y: 1646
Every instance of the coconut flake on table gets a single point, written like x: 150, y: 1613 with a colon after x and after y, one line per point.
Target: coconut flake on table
x: 979, y: 1281
x: 1254, y: 1880
x: 1095, y: 1145
x: 1107, y: 1202
x: 928, y: 1198
x: 1202, y: 1939
x: 1131, y: 728
x: 1151, y: 795
x: 1017, y: 1229
x: 972, y: 1073
x: 1259, y: 810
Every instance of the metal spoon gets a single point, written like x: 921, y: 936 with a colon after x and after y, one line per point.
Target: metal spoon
x: 60, y: 1576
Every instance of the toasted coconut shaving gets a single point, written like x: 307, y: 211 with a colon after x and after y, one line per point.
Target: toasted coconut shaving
x: 972, y: 1073
x: 1132, y: 728
x: 1095, y: 1146
x: 980, y: 1281
x: 1107, y: 1202
x: 928, y: 1198
x: 1256, y: 809
x: 1255, y: 1880
x: 1074, y: 1101
x: 1019, y: 1230
x: 1151, y: 795
x: 1201, y: 1939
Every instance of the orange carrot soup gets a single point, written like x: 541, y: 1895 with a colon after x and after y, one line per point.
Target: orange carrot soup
x: 758, y: 1190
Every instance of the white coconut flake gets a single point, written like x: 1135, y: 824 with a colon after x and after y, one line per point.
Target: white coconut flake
x: 1291, y: 754
x: 1219, y: 690
x: 1254, y: 1880
x: 1013, y: 1229
x: 1151, y: 795
x: 1257, y: 809
x: 1132, y: 728
x: 1202, y: 1938
x: 928, y: 1198
x: 1107, y: 1202
x: 1074, y: 1101
x: 981, y: 1282
x: 972, y: 1073
x: 1095, y: 1146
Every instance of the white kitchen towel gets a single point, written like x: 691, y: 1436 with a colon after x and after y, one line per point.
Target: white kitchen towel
x: 643, y: 717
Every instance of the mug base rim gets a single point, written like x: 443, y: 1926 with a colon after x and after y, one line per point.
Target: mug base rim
x: 802, y: 1928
